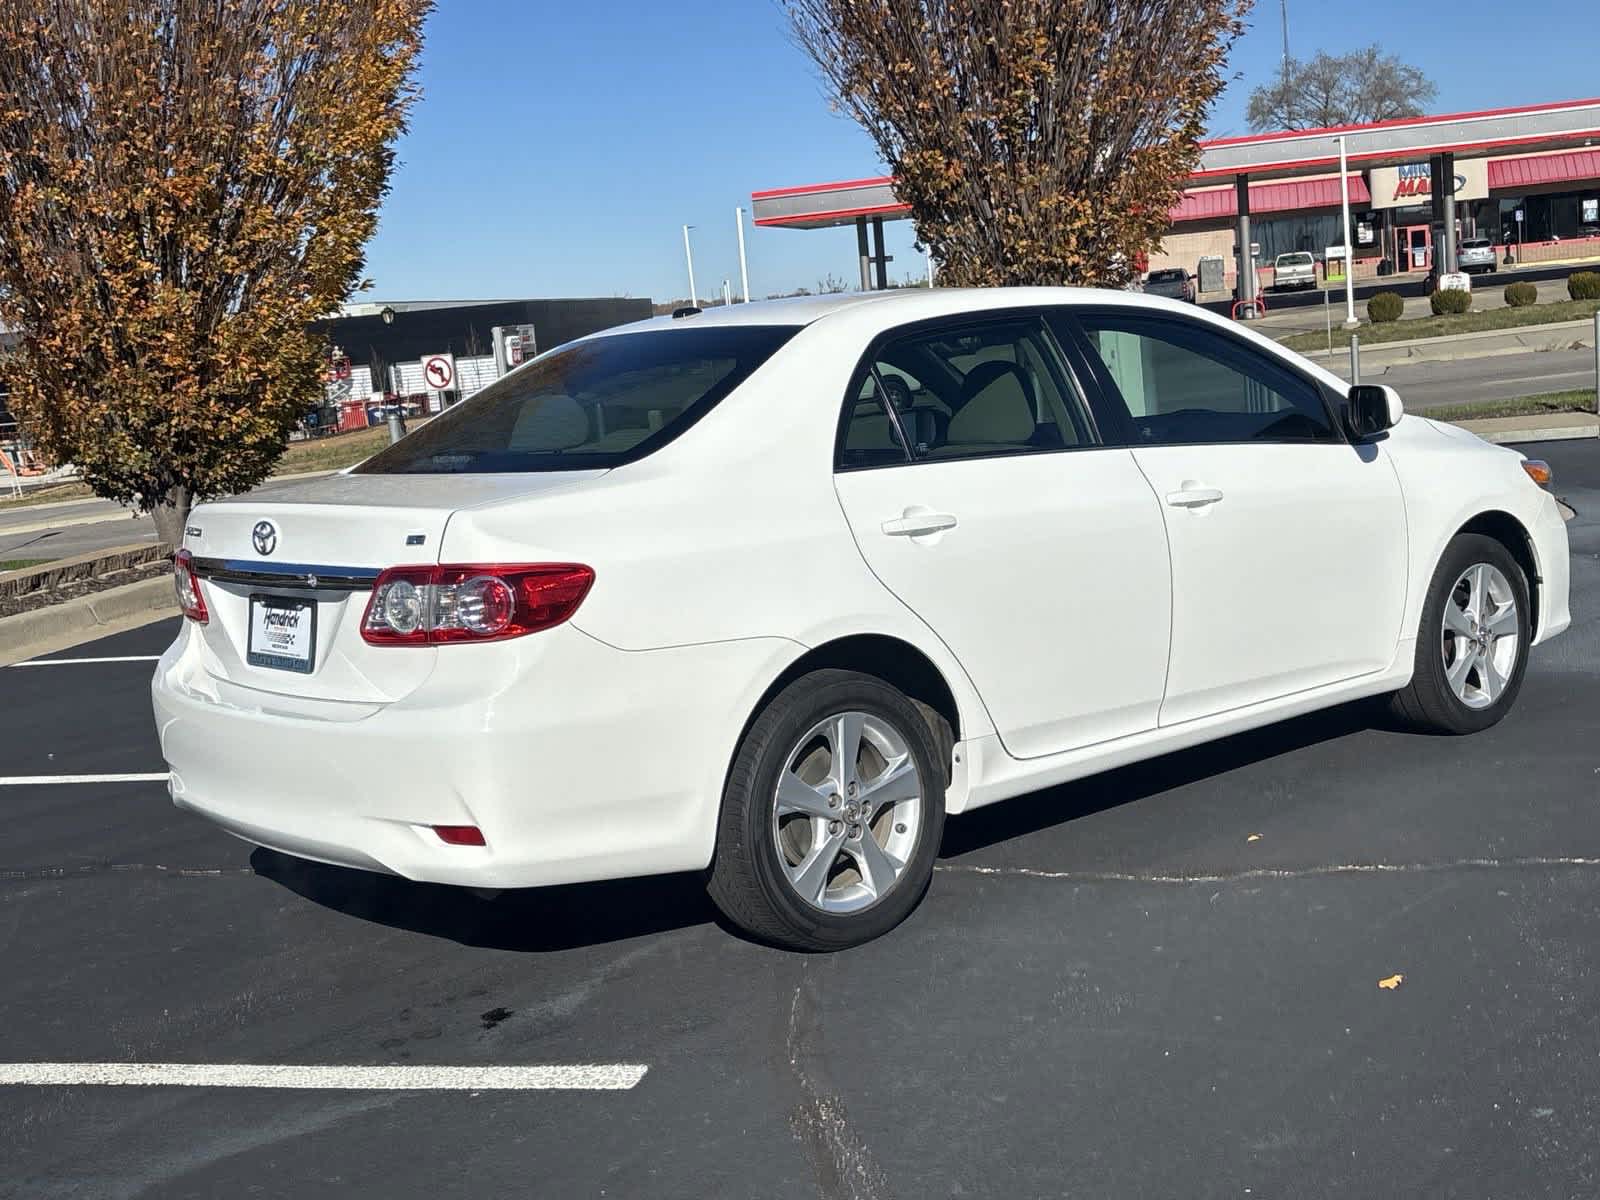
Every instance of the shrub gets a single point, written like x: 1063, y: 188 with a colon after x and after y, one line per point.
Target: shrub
x: 1385, y: 307
x: 1450, y: 300
x: 1521, y: 295
x: 1584, y: 285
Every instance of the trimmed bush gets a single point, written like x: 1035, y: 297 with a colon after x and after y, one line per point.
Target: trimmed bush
x: 1584, y: 285
x: 1385, y: 307
x: 1449, y: 302
x: 1521, y: 295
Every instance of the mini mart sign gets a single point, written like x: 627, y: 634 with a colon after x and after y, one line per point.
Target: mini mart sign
x: 1412, y: 183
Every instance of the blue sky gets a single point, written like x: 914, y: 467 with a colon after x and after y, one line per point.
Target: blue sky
x: 558, y: 148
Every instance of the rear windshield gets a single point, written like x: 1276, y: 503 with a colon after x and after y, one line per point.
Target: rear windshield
x: 1475, y: 244
x: 1169, y: 276
x: 1294, y: 260
x: 597, y: 403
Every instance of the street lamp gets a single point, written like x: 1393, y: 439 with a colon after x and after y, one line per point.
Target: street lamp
x: 387, y: 314
x: 1350, y: 321
x: 688, y: 254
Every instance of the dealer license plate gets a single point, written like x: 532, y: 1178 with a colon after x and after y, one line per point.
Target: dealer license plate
x: 283, y: 634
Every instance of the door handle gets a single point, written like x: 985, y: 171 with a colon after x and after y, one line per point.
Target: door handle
x: 1192, y: 496
x: 918, y: 524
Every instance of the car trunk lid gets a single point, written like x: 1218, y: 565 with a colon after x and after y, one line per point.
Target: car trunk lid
x: 305, y: 557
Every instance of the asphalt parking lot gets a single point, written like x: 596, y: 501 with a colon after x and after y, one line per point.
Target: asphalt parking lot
x: 1163, y: 982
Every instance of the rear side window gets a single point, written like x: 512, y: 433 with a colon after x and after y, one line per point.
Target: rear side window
x: 995, y: 387
x: 597, y: 403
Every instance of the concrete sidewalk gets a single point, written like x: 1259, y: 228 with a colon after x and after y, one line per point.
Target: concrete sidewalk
x: 1539, y: 427
x: 1489, y: 343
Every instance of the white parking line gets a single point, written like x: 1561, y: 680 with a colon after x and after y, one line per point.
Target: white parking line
x: 74, y: 662
x: 38, y: 780
x: 590, y: 1077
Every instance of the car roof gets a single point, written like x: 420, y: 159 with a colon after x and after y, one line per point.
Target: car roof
x: 893, y: 306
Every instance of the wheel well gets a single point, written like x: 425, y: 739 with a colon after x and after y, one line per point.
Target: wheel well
x: 1508, y: 531
x: 897, y: 663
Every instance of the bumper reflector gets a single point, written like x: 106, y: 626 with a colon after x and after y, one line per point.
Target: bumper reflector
x: 460, y: 835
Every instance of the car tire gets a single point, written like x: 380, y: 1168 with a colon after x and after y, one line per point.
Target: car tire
x: 1467, y: 675
x: 792, y: 866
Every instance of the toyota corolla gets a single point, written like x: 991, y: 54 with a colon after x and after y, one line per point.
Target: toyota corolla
x: 768, y: 591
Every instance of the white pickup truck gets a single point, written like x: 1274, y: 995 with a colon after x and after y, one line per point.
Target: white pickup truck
x: 1294, y: 272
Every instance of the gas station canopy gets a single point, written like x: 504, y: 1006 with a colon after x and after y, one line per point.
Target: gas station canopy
x: 1568, y: 125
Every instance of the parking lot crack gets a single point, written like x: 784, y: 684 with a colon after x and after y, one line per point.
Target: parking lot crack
x: 86, y: 870
x: 1334, y: 869
x: 840, y: 1162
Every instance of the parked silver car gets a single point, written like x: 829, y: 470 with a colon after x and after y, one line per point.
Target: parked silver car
x: 1476, y: 254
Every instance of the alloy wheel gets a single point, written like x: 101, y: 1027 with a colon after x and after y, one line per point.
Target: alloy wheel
x: 847, y: 812
x: 1481, y: 635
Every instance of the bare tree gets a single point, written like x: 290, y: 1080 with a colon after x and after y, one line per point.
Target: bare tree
x: 1036, y: 141
x: 1357, y: 88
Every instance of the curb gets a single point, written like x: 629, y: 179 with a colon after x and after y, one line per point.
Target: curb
x: 1562, y: 433
x: 81, y: 566
x: 85, y: 618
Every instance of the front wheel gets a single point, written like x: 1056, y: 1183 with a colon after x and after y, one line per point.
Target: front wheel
x: 832, y: 815
x: 1472, y: 646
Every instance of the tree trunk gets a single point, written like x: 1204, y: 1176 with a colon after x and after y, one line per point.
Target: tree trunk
x: 171, y: 514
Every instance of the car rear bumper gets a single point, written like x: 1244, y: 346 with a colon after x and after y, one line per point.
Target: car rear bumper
x: 576, y: 760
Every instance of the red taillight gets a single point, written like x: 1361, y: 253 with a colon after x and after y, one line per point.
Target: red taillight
x: 186, y: 586
x: 460, y: 835
x: 425, y: 606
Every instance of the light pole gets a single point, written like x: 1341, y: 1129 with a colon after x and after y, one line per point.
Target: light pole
x: 1350, y: 321
x: 744, y: 269
x: 688, y: 254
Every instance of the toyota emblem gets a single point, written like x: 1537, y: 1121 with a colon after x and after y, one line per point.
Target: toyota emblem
x: 265, y: 537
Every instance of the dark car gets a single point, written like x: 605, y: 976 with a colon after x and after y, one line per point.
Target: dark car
x: 1172, y: 282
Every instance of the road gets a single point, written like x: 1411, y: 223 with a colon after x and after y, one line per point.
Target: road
x: 1163, y: 981
x: 1466, y: 381
x: 77, y: 527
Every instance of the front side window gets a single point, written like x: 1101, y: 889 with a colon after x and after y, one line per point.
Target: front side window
x: 995, y: 387
x: 597, y: 403
x: 1183, y: 384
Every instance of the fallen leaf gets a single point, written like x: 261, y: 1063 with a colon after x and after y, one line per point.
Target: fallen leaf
x: 1392, y: 982
x: 1254, y: 837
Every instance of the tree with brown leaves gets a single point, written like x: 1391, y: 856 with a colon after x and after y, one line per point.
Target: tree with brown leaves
x: 185, y: 186
x: 1036, y: 141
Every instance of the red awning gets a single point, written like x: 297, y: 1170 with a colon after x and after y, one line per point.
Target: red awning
x: 1573, y: 166
x: 1290, y: 195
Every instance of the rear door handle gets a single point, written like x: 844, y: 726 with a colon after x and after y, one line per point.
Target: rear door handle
x: 1193, y: 497
x: 918, y: 524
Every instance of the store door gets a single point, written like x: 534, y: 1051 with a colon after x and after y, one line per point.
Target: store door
x: 1416, y: 247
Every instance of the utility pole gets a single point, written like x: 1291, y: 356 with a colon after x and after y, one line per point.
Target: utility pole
x: 1283, y: 8
x: 744, y: 268
x: 688, y: 254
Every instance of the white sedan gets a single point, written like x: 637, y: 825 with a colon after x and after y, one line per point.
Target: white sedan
x: 766, y: 592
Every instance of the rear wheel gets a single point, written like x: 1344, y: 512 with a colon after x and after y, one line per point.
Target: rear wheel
x: 1472, y: 647
x: 832, y: 815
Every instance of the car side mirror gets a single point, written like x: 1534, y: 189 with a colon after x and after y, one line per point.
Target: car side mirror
x: 1370, y: 408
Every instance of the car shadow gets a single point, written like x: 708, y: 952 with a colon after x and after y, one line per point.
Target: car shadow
x: 1053, y: 806
x: 536, y: 920
x: 528, y: 920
